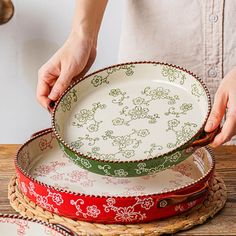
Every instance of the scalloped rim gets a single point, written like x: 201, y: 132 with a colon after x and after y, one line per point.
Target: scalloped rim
x: 204, y: 178
x: 58, y: 136
x: 52, y: 226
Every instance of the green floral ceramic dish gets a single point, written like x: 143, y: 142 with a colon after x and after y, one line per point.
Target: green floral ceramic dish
x: 132, y: 119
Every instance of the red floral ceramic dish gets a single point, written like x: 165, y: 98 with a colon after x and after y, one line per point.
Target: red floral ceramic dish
x: 51, y: 180
x: 133, y: 119
x: 16, y: 225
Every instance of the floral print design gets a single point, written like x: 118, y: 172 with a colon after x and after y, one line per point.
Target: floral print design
x: 184, y: 108
x: 80, y: 141
x: 183, y: 133
x: 43, y: 201
x: 125, y: 145
x: 173, y: 74
x: 87, y: 117
x: 99, y: 80
x: 91, y: 211
x: 67, y: 100
x: 119, y: 96
x: 197, y: 90
x: 129, y: 214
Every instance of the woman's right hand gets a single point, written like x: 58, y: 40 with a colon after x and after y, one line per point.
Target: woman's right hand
x: 72, y: 60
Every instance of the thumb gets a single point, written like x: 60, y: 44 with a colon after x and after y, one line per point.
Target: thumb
x: 217, y: 112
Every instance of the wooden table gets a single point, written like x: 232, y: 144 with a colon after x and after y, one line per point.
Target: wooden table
x: 224, y: 223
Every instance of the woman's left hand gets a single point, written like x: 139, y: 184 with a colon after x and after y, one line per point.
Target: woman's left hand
x: 225, y: 98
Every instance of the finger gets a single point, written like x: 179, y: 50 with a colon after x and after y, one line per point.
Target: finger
x: 227, y: 132
x: 43, y: 90
x: 217, y: 112
x: 62, y: 83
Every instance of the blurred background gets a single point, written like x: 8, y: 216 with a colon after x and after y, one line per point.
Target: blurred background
x: 27, y: 41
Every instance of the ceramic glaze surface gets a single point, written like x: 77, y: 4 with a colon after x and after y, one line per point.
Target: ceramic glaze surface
x: 21, y: 227
x: 132, y: 112
x: 52, y: 167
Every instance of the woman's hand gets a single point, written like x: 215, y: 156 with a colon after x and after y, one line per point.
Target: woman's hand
x: 76, y: 56
x: 225, y: 98
x: 72, y: 60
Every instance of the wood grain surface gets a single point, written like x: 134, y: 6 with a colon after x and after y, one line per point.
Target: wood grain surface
x: 224, y: 223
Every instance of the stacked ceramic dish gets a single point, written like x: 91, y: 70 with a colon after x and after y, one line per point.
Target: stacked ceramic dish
x: 126, y: 146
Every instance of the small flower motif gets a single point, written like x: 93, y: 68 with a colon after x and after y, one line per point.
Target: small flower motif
x: 138, y: 101
x: 86, y: 163
x: 129, y: 72
x: 143, y: 132
x: 173, y: 123
x: 159, y: 93
x: 147, y: 203
x: 122, y: 141
x: 97, y: 80
x: 77, y: 144
x: 42, y: 201
x: 120, y: 173
x: 93, y: 211
x: 186, y: 107
x: 115, y: 92
x: 138, y: 112
x: 43, y: 144
x: 118, y: 121
x: 170, y: 72
x: 128, y: 153
x: 56, y: 197
x: 93, y: 128
x: 175, y: 157
x: 84, y: 116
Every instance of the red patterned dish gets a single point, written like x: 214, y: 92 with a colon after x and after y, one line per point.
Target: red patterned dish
x: 51, y: 180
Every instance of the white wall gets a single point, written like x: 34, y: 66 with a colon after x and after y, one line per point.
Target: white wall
x: 37, y: 29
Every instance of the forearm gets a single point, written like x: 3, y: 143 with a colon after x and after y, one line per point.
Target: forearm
x: 88, y: 17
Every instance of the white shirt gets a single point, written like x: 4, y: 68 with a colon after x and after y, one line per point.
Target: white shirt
x: 199, y: 35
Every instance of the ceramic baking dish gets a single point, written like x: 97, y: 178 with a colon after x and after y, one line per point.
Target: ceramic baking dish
x: 133, y: 119
x: 51, y: 180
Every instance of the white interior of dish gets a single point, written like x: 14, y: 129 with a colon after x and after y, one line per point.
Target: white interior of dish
x: 20, y: 227
x: 123, y: 126
x: 43, y: 160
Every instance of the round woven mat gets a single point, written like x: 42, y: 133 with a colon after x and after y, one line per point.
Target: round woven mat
x: 198, y: 215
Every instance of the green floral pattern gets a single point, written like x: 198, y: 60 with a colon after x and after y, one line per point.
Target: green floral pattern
x: 197, y: 90
x: 173, y: 74
x: 87, y: 117
x: 67, y: 100
x: 80, y: 141
x: 124, y: 145
x: 119, y: 96
x: 99, y: 80
x: 183, y: 133
x: 184, y: 108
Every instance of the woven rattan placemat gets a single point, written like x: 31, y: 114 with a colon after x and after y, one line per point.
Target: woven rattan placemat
x: 198, y: 215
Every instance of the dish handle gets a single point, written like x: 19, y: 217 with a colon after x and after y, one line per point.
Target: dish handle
x: 177, y: 199
x: 67, y: 230
x: 39, y: 132
x: 205, y: 138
